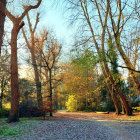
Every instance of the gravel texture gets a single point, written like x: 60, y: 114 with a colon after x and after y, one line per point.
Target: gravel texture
x: 74, y: 126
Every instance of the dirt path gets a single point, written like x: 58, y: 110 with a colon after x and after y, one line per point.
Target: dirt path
x: 118, y: 126
x: 80, y: 126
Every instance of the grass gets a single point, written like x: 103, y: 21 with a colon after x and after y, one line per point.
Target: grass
x: 6, y: 130
x: 17, y: 129
x: 2, y: 120
x: 30, y: 119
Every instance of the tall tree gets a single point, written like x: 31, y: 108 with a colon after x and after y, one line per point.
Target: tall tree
x: 31, y: 46
x: 17, y: 25
x: 2, y: 20
x: 118, y: 28
x: 50, y: 54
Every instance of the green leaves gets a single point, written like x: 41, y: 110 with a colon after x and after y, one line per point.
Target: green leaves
x: 86, y: 59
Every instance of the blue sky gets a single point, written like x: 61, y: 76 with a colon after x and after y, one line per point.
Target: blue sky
x: 52, y: 18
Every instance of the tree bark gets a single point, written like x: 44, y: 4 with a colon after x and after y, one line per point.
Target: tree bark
x: 17, y: 25
x: 31, y: 47
x: 109, y: 86
x: 38, y: 83
x: 120, y: 93
x: 2, y: 20
x: 14, y: 77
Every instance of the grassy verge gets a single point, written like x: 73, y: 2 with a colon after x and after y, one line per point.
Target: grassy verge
x: 6, y: 130
x: 16, y: 129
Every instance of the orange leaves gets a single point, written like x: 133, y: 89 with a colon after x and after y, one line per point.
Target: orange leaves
x: 46, y: 106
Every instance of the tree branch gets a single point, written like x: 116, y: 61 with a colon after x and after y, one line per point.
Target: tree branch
x: 26, y: 40
x: 28, y: 8
x: 30, y: 25
x: 37, y: 20
x: 9, y: 15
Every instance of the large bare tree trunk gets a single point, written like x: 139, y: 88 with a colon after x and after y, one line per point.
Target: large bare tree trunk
x: 109, y: 86
x: 17, y: 25
x: 118, y: 90
x: 31, y: 46
x: 38, y: 83
x: 2, y: 20
x: 14, y: 78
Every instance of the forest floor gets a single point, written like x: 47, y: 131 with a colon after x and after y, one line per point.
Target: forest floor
x: 74, y: 126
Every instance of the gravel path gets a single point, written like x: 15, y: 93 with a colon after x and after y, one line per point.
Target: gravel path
x: 78, y: 126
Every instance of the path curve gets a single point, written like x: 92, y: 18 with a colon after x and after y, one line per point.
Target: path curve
x: 80, y: 126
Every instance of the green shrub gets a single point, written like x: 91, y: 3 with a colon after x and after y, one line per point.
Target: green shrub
x: 29, y: 108
x: 71, y: 104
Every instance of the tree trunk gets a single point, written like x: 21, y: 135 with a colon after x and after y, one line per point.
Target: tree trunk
x: 114, y: 98
x: 50, y: 83
x: 2, y: 20
x: 38, y: 83
x: 123, y: 110
x: 31, y: 47
x: 127, y: 62
x: 14, y: 117
x: 17, y: 25
x: 117, y: 89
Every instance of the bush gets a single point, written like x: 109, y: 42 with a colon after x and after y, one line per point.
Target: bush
x: 4, y: 113
x: 29, y: 108
x: 71, y: 104
x: 46, y: 108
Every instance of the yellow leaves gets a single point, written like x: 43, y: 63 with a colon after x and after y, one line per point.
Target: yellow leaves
x: 76, y: 78
x: 7, y: 106
x: 90, y: 78
x: 71, y: 104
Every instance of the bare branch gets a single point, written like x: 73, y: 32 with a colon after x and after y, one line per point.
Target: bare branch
x: 37, y: 20
x: 26, y: 40
x: 28, y: 8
